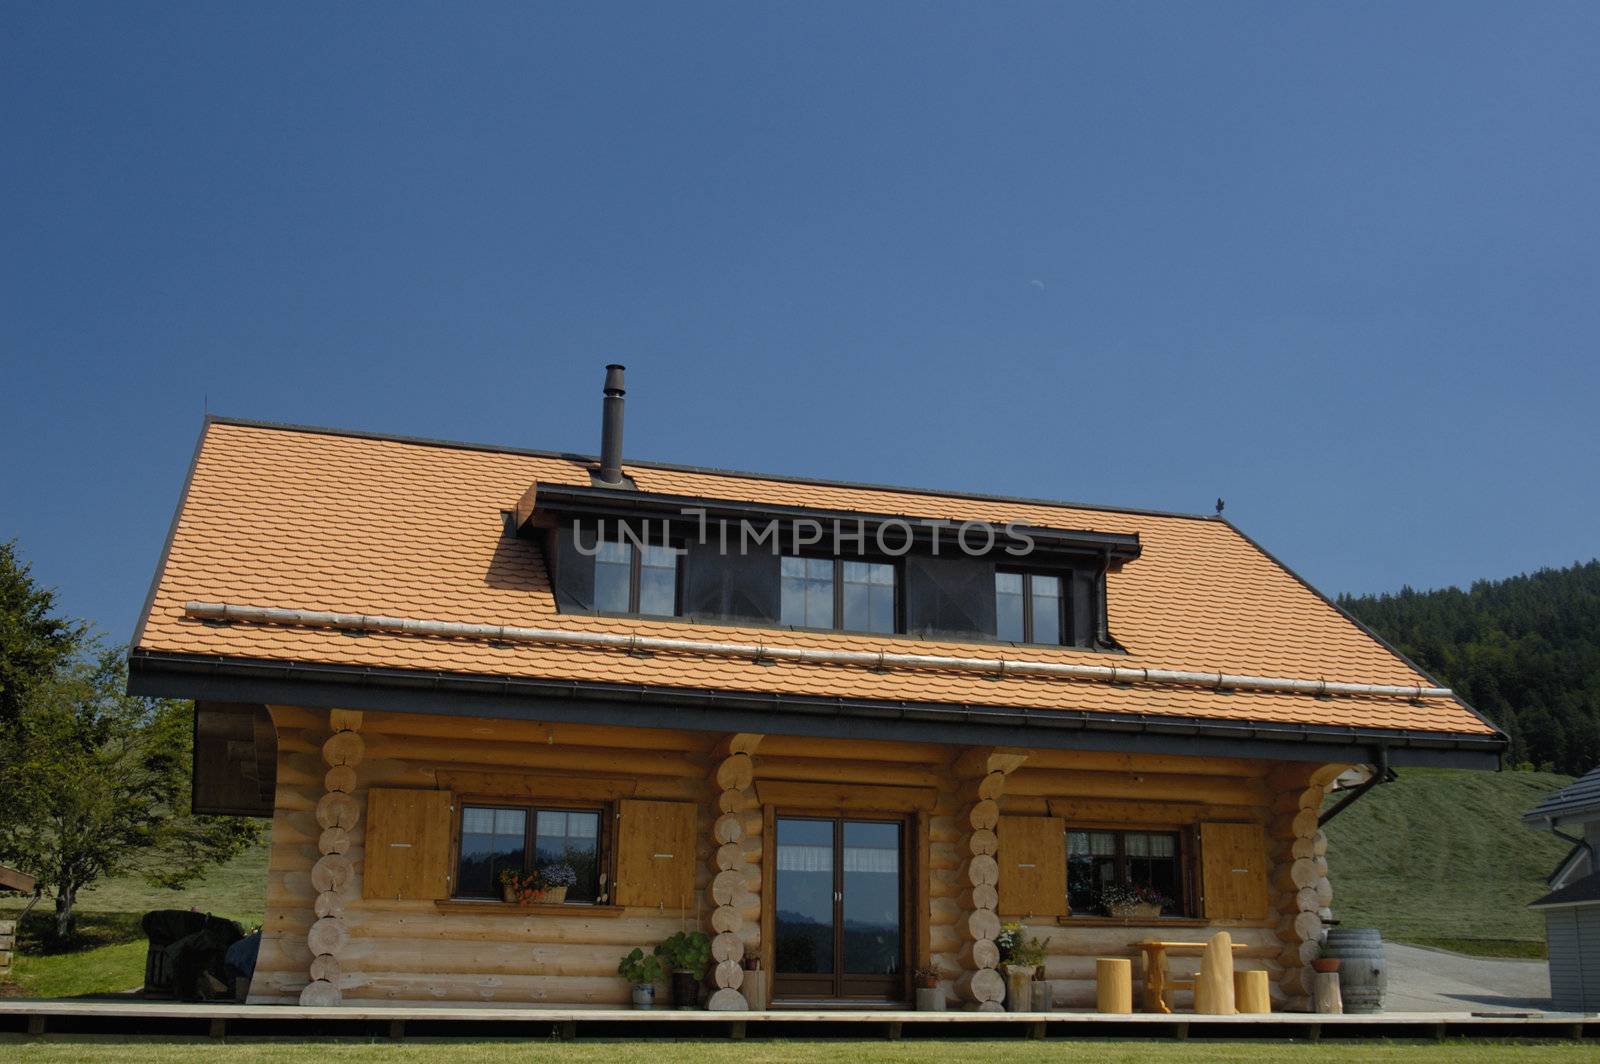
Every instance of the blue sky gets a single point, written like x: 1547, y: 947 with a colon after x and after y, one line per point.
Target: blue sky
x: 1336, y: 263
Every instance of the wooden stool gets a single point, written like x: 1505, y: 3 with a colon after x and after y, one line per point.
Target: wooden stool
x: 1113, y: 979
x: 1251, y: 992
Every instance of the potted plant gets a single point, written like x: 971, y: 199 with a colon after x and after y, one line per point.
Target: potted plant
x: 523, y: 888
x: 1324, y: 963
x: 644, y: 972
x: 556, y: 879
x: 1128, y: 902
x: 1020, y: 956
x: 930, y: 997
x: 687, y: 955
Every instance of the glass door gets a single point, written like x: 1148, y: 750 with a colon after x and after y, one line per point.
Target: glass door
x: 838, y: 926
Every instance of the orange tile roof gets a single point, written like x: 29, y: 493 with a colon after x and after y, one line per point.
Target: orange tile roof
x: 317, y: 520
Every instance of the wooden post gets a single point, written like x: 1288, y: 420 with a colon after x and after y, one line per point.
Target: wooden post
x: 984, y: 770
x: 337, y: 813
x: 1213, y: 988
x: 732, y: 835
x: 1297, y: 850
x: 1113, y: 977
x: 1325, y: 994
x: 8, y: 933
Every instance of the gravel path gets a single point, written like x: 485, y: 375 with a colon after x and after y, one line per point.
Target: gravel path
x: 1432, y: 980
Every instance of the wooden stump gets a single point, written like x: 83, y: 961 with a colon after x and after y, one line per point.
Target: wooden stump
x: 1252, y: 993
x: 1113, y: 979
x: 1213, y: 987
x: 1325, y: 995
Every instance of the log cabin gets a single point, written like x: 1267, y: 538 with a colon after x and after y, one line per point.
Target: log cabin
x: 846, y: 730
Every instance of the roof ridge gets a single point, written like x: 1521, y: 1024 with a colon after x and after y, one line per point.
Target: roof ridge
x: 783, y: 478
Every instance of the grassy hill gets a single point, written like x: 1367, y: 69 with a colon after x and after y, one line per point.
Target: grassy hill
x: 1439, y: 857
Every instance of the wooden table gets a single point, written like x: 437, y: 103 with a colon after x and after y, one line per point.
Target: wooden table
x: 1156, y: 982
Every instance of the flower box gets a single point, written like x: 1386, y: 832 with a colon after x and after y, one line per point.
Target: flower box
x: 1140, y: 910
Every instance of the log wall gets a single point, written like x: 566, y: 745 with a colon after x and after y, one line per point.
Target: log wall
x: 422, y: 951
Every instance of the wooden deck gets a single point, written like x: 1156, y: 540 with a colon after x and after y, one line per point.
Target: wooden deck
x: 166, y: 1019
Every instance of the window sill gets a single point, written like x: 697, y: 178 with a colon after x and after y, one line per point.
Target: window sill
x: 505, y: 908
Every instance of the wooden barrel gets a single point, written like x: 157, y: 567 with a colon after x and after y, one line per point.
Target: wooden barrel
x: 1363, y: 972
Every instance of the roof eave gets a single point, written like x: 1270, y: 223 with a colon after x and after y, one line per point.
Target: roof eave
x: 455, y: 694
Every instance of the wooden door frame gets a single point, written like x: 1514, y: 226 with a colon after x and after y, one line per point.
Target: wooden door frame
x: 913, y: 885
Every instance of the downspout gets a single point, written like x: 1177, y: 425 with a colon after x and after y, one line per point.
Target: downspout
x: 1577, y: 844
x: 1382, y: 773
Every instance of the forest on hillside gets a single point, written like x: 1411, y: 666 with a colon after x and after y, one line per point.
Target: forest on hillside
x: 1525, y: 652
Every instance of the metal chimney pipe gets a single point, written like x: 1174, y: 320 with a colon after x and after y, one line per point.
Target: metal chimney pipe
x: 611, y: 427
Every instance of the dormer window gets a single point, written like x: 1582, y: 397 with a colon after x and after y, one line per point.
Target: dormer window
x: 1029, y: 608
x: 851, y: 596
x: 629, y: 578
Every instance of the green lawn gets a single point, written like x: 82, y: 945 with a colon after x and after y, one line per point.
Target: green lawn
x: 1440, y: 858
x: 49, y: 1051
x: 109, y: 951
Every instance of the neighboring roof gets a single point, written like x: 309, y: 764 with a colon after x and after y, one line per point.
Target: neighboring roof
x: 1578, y: 800
x: 308, y: 519
x: 1585, y: 891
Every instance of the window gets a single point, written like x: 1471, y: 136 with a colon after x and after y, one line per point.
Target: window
x: 1151, y: 860
x: 1029, y: 608
x: 834, y: 593
x: 496, y: 838
x: 633, y: 579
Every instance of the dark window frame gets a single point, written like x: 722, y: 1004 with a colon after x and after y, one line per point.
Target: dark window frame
x: 1064, y: 617
x: 604, y: 844
x: 839, y: 561
x: 636, y: 572
x: 1186, y: 903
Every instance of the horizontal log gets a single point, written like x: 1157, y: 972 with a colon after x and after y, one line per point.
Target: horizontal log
x: 992, y: 786
x: 735, y: 772
x: 978, y: 953
x: 727, y: 947
x: 344, y: 748
x: 337, y: 778
x: 981, y: 986
x: 329, y: 903
x: 338, y: 810
x: 1303, y: 900
x: 1120, y: 812
x: 1300, y: 927
x: 344, y: 720
x: 1146, y: 764
x: 982, y: 923
x: 320, y: 994
x: 984, y: 815
x: 328, y: 935
x: 728, y: 975
x: 333, y: 871
x: 1295, y: 875
x: 983, y: 841
x: 729, y: 827
x: 982, y: 896
x: 727, y: 1000
x: 334, y: 840
x: 325, y: 968
x: 820, y: 770
x: 533, y: 758
x: 1323, y: 889
x: 725, y: 918
x: 982, y: 870
x: 1213, y: 790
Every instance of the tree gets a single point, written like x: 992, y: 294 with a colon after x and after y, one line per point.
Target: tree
x: 96, y: 784
x: 33, y: 641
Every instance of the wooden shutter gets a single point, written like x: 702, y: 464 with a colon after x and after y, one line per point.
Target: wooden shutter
x: 408, y: 845
x: 655, y: 854
x: 1233, y: 862
x: 1033, y: 866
